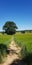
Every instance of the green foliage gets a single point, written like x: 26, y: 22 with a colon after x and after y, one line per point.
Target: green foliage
x: 10, y: 27
x: 3, y: 52
x: 22, y: 31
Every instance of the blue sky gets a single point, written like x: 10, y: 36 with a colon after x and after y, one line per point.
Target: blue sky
x: 19, y: 11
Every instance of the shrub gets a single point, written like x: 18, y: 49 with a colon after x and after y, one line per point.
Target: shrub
x: 3, y: 52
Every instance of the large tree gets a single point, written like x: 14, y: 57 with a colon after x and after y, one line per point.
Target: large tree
x: 10, y: 27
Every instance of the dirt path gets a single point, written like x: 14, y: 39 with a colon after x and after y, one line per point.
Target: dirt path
x: 14, y: 50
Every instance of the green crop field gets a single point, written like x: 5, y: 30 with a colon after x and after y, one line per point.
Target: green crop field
x: 24, y: 40
x: 5, y: 39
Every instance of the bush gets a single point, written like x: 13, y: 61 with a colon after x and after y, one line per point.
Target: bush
x: 22, y: 31
x: 3, y: 52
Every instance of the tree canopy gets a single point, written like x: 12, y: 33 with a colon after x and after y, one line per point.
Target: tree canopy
x: 10, y: 27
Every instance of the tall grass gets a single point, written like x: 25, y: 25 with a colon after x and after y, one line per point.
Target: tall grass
x: 24, y: 40
x: 5, y: 39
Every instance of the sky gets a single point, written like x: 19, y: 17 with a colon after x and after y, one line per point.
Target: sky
x: 19, y: 11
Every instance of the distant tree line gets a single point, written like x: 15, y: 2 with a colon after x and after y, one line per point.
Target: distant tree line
x: 24, y: 31
x: 28, y: 31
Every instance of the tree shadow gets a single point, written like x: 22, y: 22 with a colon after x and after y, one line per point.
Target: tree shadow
x: 24, y: 61
x: 11, y: 51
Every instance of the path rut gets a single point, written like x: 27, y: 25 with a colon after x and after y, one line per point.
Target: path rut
x: 14, y: 50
